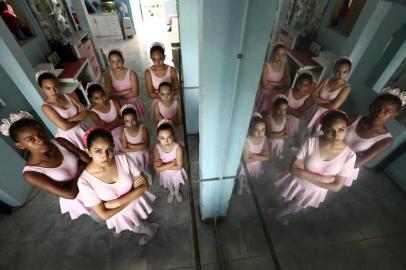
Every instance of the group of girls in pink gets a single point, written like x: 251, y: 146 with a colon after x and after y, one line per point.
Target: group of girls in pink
x: 105, y: 171
x: 336, y: 145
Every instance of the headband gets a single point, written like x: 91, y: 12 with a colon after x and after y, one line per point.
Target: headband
x: 279, y: 96
x: 13, y: 117
x: 126, y: 106
x: 157, y: 43
x: 324, y: 115
x: 164, y: 121
x: 40, y: 72
x: 90, y: 84
x: 90, y: 131
x: 257, y: 114
x: 396, y: 92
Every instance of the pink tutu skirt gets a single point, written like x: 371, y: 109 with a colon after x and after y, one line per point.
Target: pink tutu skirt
x: 312, y: 118
x: 276, y: 147
x: 141, y: 158
x: 74, y: 135
x: 74, y: 207
x: 254, y: 169
x: 116, y: 133
x: 293, y: 124
x: 263, y: 100
x: 130, y: 216
x: 352, y: 178
x: 300, y: 191
x: 172, y: 178
x: 137, y: 102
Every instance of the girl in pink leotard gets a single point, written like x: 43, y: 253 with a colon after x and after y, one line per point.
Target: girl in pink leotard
x: 277, y: 126
x: 256, y: 150
x: 135, y: 139
x: 122, y: 84
x: 275, y: 77
x: 329, y: 94
x: 169, y: 108
x: 168, y: 161
x: 52, y: 165
x: 114, y: 188
x: 106, y: 112
x: 322, y: 164
x: 65, y: 111
x: 158, y: 73
x: 367, y: 135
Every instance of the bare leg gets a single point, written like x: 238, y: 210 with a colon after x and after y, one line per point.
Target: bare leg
x: 178, y: 193
x: 171, y: 194
x: 241, y: 180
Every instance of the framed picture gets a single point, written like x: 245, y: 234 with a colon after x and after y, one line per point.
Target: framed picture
x: 345, y: 15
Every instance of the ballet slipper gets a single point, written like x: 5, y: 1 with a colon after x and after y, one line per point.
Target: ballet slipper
x: 146, y: 238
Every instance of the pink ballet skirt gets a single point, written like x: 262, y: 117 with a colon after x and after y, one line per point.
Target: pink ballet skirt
x: 169, y: 113
x: 75, y: 134
x: 293, y: 121
x: 96, y: 191
x: 156, y: 81
x: 120, y: 85
x: 63, y: 174
x: 301, y: 191
x: 254, y: 168
x: 360, y: 145
x: 170, y: 177
x: 264, y: 99
x: 275, y: 145
x: 141, y: 158
x: 109, y: 117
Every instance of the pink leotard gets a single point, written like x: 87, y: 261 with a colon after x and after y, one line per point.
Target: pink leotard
x: 65, y: 172
x: 359, y: 145
x: 95, y: 191
x: 75, y: 134
x: 301, y: 191
x: 109, y: 117
x: 119, y: 85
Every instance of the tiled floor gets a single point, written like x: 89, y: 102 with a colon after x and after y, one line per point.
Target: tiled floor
x: 362, y: 227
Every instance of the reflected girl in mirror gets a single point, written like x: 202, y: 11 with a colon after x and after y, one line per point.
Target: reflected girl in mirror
x: 275, y: 77
x: 256, y: 150
x: 329, y: 94
x: 367, y: 135
x: 322, y: 164
x: 277, y: 126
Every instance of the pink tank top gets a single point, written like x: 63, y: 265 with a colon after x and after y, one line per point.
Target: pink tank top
x: 295, y: 103
x: 168, y: 112
x: 124, y: 84
x: 275, y: 76
x: 156, y: 81
x: 110, y: 116
x: 256, y: 148
x: 358, y: 144
x: 64, y: 172
x: 71, y: 111
x: 139, y: 138
x: 275, y: 127
x: 329, y: 95
x: 167, y: 157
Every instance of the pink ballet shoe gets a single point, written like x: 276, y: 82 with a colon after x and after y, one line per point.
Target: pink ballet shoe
x: 145, y: 238
x: 169, y: 199
x: 179, y: 196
